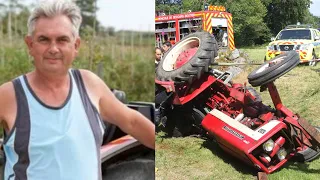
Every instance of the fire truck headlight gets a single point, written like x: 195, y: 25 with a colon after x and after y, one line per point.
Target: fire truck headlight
x: 304, y: 46
x: 282, y: 153
x: 268, y: 146
x: 271, y: 48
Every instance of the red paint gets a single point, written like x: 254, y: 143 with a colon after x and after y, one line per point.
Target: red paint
x: 185, y: 56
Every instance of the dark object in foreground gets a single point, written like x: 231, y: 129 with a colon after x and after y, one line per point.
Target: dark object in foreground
x: 122, y: 156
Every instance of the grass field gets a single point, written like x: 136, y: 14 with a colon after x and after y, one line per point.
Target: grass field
x: 195, y: 158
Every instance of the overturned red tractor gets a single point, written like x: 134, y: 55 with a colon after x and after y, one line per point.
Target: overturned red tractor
x: 191, y: 97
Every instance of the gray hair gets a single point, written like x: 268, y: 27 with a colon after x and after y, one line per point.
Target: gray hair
x: 53, y: 8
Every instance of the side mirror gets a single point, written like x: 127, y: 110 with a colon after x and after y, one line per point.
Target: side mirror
x: 273, y: 38
x: 316, y: 38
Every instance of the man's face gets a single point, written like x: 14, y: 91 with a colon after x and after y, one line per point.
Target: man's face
x: 158, y: 54
x: 52, y: 44
x: 165, y: 48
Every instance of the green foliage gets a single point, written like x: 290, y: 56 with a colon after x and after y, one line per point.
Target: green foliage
x: 127, y: 67
x: 169, y: 6
x: 193, y: 5
x: 282, y: 13
x: 249, y: 28
x: 19, y: 18
x: 88, y: 12
x: 124, y: 62
x: 310, y: 19
x: 14, y: 62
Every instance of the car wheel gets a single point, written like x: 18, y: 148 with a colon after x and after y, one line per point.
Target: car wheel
x: 273, y: 69
x: 308, y: 154
x: 188, y: 59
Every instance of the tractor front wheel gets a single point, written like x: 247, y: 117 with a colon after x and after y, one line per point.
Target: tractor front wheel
x: 273, y: 69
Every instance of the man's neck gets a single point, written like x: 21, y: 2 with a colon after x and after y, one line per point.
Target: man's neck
x: 48, y: 81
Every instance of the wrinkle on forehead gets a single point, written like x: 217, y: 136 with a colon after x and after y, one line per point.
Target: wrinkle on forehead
x: 54, y: 27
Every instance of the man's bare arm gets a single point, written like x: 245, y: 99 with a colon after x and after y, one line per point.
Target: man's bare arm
x: 115, y: 112
x: 8, y: 105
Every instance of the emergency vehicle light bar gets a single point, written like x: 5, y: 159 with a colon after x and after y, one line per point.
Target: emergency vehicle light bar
x: 298, y: 26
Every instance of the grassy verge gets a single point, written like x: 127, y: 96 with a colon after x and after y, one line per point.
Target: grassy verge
x: 255, y: 55
x: 194, y: 158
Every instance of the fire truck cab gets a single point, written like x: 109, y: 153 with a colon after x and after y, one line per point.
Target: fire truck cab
x: 214, y: 20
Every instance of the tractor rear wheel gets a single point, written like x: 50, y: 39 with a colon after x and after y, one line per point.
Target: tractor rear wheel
x: 188, y: 59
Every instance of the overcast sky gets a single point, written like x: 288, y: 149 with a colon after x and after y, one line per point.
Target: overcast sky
x: 315, y: 7
x: 127, y: 14
x: 138, y: 14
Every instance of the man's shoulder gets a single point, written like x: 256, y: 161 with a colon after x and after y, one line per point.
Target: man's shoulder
x: 6, y: 87
x: 90, y: 79
x: 88, y: 75
x: 7, y: 92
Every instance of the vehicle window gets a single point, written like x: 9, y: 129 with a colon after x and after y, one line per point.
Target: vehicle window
x: 294, y: 34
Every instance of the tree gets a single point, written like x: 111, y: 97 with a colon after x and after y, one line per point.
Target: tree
x: 13, y: 18
x: 284, y: 12
x: 249, y: 27
x: 168, y: 6
x: 193, y: 5
x: 88, y: 12
x: 2, y: 7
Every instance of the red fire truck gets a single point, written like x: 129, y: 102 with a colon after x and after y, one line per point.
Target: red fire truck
x: 214, y: 20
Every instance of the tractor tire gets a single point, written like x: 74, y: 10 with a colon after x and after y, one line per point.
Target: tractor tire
x: 195, y: 66
x: 308, y: 154
x: 137, y: 169
x: 182, y: 122
x: 198, y: 116
x: 273, y: 69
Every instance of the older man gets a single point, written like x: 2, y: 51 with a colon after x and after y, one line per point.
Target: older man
x: 51, y: 115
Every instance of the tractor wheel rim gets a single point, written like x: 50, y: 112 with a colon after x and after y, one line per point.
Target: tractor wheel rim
x: 170, y: 61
